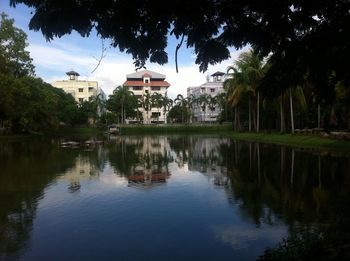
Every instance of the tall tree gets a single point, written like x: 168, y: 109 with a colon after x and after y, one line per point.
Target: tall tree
x: 250, y: 68
x: 14, y: 59
x: 147, y: 105
x: 182, y: 102
x: 167, y: 104
x: 203, y: 101
x: 157, y: 102
x: 123, y: 102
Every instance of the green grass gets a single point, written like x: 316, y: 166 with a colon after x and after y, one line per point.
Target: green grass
x: 15, y: 137
x: 174, y: 129
x: 303, y: 141
x: 296, y: 140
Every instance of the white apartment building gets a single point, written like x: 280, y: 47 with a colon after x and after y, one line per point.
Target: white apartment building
x: 80, y: 90
x: 143, y: 83
x: 213, y: 88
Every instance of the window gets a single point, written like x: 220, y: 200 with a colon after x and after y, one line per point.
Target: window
x: 146, y: 91
x: 91, y: 89
x: 155, y: 114
x: 202, y: 90
x: 81, y: 89
x: 155, y: 88
x: 146, y: 80
x: 81, y: 100
x: 212, y: 89
x: 212, y: 108
x: 137, y: 88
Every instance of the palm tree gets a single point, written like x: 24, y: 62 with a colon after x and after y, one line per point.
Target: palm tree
x: 222, y: 102
x: 212, y: 102
x: 298, y: 93
x: 122, y: 95
x: 234, y: 89
x: 182, y: 102
x: 191, y: 100
x: 203, y: 102
x: 157, y: 102
x: 147, y: 105
x: 250, y: 65
x: 167, y: 103
x: 97, y: 105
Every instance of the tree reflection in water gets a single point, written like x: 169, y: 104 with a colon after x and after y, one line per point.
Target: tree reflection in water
x: 306, y: 190
x: 27, y: 168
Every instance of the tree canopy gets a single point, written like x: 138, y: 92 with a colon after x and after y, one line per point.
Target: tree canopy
x: 304, y: 38
x: 14, y: 59
x: 316, y: 28
x: 28, y: 103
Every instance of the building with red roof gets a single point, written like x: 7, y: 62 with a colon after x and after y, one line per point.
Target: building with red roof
x: 144, y: 84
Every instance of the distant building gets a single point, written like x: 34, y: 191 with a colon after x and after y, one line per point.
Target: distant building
x: 213, y: 88
x: 147, y: 82
x: 80, y: 90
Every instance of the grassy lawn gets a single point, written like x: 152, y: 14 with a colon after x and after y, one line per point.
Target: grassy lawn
x: 174, y: 129
x: 304, y: 141
x: 296, y: 140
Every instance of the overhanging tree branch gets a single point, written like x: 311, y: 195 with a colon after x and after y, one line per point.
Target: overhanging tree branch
x: 176, y: 50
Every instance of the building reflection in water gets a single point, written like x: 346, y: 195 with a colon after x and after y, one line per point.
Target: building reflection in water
x: 267, y: 185
x: 143, y: 161
x: 87, y: 166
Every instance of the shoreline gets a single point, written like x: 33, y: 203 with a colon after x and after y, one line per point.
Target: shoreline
x: 294, y: 140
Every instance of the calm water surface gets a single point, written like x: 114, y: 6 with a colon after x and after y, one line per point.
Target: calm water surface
x: 163, y: 198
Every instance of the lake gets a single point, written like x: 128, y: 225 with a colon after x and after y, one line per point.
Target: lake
x: 164, y: 198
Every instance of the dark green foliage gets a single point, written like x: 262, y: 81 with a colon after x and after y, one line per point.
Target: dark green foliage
x: 123, y: 103
x: 29, y: 104
x: 179, y: 114
x: 304, y: 37
x: 14, y: 59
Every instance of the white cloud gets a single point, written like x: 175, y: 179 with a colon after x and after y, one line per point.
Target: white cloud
x: 52, y: 61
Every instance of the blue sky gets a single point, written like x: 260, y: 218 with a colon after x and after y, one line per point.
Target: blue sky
x: 53, y: 59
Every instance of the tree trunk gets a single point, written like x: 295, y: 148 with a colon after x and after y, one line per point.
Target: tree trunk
x: 235, y: 120
x: 319, y: 172
x: 249, y: 114
x: 158, y: 116
x: 250, y: 156
x: 291, y: 109
x: 258, y: 114
x: 292, y: 169
x: 258, y: 154
x: 318, y: 116
x: 121, y: 114
x: 282, y: 114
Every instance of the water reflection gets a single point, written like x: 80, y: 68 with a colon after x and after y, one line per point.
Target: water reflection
x: 269, y: 188
x: 26, y: 170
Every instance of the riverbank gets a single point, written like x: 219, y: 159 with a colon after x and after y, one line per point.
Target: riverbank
x: 174, y: 129
x: 295, y: 140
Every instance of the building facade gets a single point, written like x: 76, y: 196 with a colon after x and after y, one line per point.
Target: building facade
x: 143, y: 84
x: 214, y: 87
x: 80, y: 90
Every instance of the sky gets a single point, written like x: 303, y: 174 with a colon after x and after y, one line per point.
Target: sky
x: 73, y: 52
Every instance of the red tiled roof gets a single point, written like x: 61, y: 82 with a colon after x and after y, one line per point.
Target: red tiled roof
x: 152, y: 83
